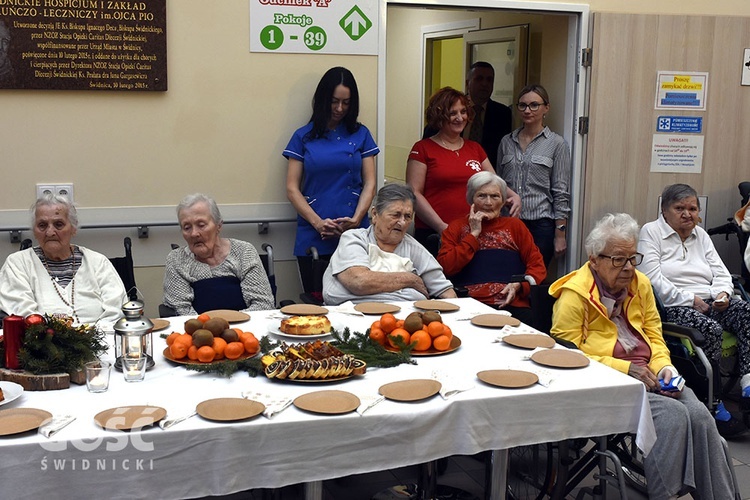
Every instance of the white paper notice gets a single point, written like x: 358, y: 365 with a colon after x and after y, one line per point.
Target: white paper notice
x: 677, y: 153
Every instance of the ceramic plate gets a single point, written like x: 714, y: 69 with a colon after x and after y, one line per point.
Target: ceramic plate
x: 455, y: 344
x: 328, y: 402
x: 228, y: 314
x: 11, y: 391
x: 529, y: 340
x: 510, y: 379
x: 560, y: 358
x: 188, y: 361
x: 376, y: 308
x: 160, y: 324
x: 304, y: 310
x: 229, y: 409
x: 494, y: 320
x: 436, y: 305
x: 410, y: 390
x: 275, y: 330
x: 126, y: 418
x: 18, y: 420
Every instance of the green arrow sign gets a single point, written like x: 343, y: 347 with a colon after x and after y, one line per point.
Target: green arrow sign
x: 355, y: 23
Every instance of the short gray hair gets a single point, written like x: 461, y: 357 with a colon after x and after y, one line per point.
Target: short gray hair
x: 481, y: 179
x: 677, y: 192
x: 611, y: 227
x: 391, y: 193
x: 53, y: 200
x: 195, y: 198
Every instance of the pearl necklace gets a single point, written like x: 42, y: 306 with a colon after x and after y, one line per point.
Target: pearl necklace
x: 56, y: 286
x: 461, y: 144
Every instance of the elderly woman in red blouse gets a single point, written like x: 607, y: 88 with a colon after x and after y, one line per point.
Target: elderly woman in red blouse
x: 488, y: 253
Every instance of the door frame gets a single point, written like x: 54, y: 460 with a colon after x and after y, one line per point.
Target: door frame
x: 576, y: 85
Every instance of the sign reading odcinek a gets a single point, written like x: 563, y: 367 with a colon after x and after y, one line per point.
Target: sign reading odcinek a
x: 314, y: 26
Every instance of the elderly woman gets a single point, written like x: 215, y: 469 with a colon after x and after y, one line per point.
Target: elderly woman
x: 485, y: 251
x: 693, y: 283
x: 59, y: 277
x: 383, y: 262
x: 212, y: 272
x: 607, y: 309
x: 439, y: 167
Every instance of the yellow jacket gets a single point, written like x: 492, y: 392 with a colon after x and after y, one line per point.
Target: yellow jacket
x: 580, y: 317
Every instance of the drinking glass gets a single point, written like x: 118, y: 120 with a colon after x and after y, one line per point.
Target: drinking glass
x: 97, y: 375
x: 134, y: 367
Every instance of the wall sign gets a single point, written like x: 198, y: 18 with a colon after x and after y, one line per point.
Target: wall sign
x: 314, y: 26
x: 681, y: 154
x: 83, y: 44
x: 681, y: 90
x: 683, y: 124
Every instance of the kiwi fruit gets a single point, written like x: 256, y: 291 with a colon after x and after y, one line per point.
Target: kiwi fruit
x: 431, y: 316
x: 412, y: 323
x: 230, y: 335
x: 192, y: 325
x: 216, y: 326
x: 202, y: 337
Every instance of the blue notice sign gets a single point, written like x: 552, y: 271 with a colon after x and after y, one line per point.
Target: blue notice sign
x: 683, y: 124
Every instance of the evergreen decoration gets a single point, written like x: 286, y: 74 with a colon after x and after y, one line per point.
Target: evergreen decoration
x: 55, y: 346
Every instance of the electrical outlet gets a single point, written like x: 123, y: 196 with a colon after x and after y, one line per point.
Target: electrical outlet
x: 58, y: 189
x: 42, y: 189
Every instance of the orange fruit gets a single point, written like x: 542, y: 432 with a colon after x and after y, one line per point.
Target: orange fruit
x: 239, y: 331
x: 423, y: 340
x: 218, y: 346
x: 250, y: 343
x: 388, y: 322
x: 206, y: 354
x: 435, y: 329
x: 378, y: 335
x: 203, y: 317
x: 185, y: 339
x: 178, y: 350
x: 442, y: 343
x: 399, y: 332
x: 234, y: 350
x: 171, y: 338
x: 447, y: 331
x: 400, y: 323
x: 192, y: 353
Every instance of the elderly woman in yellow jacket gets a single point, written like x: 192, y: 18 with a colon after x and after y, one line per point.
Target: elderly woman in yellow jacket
x: 608, y: 310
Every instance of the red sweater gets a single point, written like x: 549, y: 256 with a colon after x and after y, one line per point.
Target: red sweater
x: 507, y: 233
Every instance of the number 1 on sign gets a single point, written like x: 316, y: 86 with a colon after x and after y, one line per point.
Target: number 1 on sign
x: 271, y: 37
x: 315, y: 38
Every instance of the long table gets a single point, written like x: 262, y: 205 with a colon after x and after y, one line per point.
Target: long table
x: 199, y: 458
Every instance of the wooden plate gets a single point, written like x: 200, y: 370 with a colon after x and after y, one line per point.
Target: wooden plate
x: 410, y: 390
x: 18, y: 420
x: 494, y: 320
x: 229, y: 409
x: 160, y: 324
x: 376, y: 308
x: 126, y: 418
x: 455, y: 344
x: 304, y: 310
x: 509, y: 379
x: 230, y: 315
x: 436, y: 305
x: 328, y: 402
x: 529, y: 340
x: 11, y: 391
x: 188, y: 361
x: 560, y: 358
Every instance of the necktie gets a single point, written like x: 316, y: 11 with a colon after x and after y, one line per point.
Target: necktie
x: 476, y: 125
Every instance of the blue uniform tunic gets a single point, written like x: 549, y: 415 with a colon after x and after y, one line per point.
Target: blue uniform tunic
x: 331, y: 179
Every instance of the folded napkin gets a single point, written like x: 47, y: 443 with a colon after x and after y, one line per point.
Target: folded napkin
x: 274, y: 403
x: 169, y: 422
x: 55, y: 425
x: 526, y: 356
x: 383, y: 261
x: 451, y: 385
x: 514, y: 330
x: 546, y: 377
x: 345, y: 308
x: 367, y: 401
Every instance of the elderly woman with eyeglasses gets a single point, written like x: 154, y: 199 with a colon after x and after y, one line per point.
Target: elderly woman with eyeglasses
x: 695, y: 286
x: 383, y: 262
x: 607, y: 309
x: 535, y: 162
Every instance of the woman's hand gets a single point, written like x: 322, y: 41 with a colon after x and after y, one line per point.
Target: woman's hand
x: 561, y: 243
x: 513, y: 203
x: 644, y: 375
x: 475, y: 221
x: 328, y: 228
x: 700, y: 306
x: 508, y: 294
x: 722, y: 302
x: 346, y: 223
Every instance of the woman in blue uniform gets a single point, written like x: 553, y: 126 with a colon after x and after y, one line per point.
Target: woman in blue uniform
x: 331, y: 172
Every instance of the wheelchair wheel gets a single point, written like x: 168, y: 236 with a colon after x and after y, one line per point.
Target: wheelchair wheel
x: 530, y: 471
x: 632, y: 461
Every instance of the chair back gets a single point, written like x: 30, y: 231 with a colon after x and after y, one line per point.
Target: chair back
x: 542, y: 304
x: 268, y: 264
x: 124, y: 267
x: 27, y: 243
x: 319, y: 266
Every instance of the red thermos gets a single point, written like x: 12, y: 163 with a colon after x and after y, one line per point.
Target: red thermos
x: 13, y: 330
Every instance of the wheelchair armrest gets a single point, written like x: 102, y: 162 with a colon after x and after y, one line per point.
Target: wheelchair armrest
x: 461, y: 291
x: 565, y: 343
x: 683, y: 332
x: 727, y: 229
x: 166, y: 312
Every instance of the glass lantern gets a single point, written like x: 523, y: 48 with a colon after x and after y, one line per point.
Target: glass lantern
x: 133, y: 335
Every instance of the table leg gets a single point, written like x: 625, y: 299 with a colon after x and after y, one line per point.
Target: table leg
x: 314, y: 490
x: 497, y: 475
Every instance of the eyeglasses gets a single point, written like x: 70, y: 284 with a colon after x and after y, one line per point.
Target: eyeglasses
x: 619, y: 261
x: 533, y: 106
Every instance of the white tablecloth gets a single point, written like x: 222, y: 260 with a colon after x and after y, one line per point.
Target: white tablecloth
x: 198, y: 458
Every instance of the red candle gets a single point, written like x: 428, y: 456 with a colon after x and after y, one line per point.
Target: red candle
x: 13, y: 330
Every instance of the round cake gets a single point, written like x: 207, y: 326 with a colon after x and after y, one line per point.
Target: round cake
x: 305, y: 325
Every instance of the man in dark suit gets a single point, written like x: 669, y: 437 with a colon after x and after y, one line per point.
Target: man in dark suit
x: 492, y: 120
